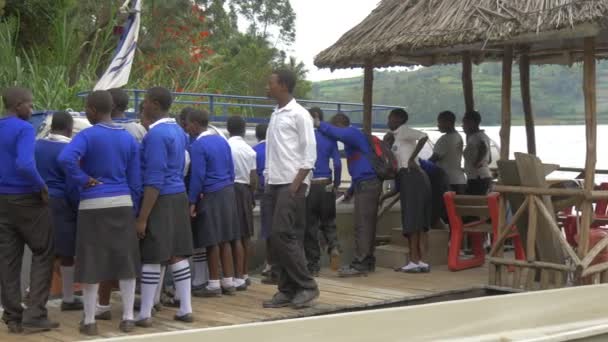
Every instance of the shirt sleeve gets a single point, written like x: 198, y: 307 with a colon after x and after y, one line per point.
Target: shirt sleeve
x: 405, y: 133
x: 306, y: 129
x: 154, y: 160
x: 345, y: 135
x: 26, y: 163
x: 197, y: 173
x: 134, y: 175
x: 186, y: 162
x: 70, y: 157
x: 337, y: 165
x: 440, y: 148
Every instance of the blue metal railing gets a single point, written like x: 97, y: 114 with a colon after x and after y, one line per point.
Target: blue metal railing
x: 245, y: 105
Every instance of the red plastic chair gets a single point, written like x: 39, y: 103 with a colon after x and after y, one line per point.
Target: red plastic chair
x: 484, y: 208
x: 570, y: 228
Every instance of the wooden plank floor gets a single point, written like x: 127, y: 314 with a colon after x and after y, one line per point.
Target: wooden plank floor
x: 336, y: 293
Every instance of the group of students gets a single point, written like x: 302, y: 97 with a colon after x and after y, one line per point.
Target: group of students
x: 122, y: 201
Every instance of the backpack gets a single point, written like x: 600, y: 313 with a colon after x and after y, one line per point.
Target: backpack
x: 382, y: 158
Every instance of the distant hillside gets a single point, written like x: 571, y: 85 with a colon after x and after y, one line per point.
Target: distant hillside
x: 556, y: 92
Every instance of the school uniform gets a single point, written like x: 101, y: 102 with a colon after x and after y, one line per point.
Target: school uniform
x: 366, y: 188
x: 449, y: 149
x: 168, y: 232
x: 24, y: 220
x: 321, y: 201
x: 106, y: 242
x: 244, y: 159
x: 265, y: 209
x: 290, y: 147
x: 133, y: 127
x: 479, y: 177
x: 212, y: 191
x: 63, y: 194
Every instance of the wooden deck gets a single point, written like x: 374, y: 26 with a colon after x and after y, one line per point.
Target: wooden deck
x: 336, y: 293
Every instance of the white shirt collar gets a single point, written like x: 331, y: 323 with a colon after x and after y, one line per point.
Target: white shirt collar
x: 58, y: 138
x: 236, y: 137
x: 163, y: 120
x: 205, y: 133
x: 287, y: 107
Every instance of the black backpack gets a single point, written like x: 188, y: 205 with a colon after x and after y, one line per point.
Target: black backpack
x: 382, y: 158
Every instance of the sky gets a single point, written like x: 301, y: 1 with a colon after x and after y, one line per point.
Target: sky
x: 319, y: 24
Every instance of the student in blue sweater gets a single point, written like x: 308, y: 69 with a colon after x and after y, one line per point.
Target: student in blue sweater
x: 120, y: 98
x: 366, y: 187
x: 63, y: 202
x: 163, y: 224
x: 212, y: 203
x: 24, y: 218
x: 321, y: 201
x: 104, y: 161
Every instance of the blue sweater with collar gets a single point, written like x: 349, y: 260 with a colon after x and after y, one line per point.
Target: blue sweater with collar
x: 47, y: 152
x: 18, y: 173
x: 212, y: 167
x: 356, y: 146
x: 260, y: 161
x: 164, y: 157
x: 109, y: 154
x: 327, y: 149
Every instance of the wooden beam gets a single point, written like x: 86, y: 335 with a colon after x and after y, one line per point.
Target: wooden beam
x: 531, y: 264
x: 505, y: 127
x: 528, y: 190
x: 589, y: 95
x: 532, y: 227
x: 524, y: 81
x: 467, y: 81
x: 368, y: 85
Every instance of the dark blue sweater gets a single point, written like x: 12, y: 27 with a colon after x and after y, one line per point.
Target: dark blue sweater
x: 18, y: 174
x: 109, y: 154
x: 260, y: 161
x: 163, y: 158
x: 212, y: 168
x: 356, y: 146
x: 327, y: 149
x: 47, y: 152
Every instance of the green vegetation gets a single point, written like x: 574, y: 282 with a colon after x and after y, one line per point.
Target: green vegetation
x: 556, y: 92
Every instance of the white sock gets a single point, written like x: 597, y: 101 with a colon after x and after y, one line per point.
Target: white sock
x: 99, y: 309
x: 89, y: 298
x: 150, y: 276
x: 213, y: 284
x: 238, y: 282
x: 423, y: 264
x: 201, y: 269
x: 410, y: 266
x: 227, y: 282
x: 161, y: 285
x: 127, y: 292
x: 182, y: 281
x: 67, y: 283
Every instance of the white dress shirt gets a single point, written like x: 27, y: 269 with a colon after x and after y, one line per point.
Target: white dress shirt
x: 244, y: 159
x: 406, y: 139
x: 290, y: 144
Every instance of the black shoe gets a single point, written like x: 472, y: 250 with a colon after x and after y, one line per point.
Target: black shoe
x: 248, y: 281
x: 350, y: 271
x: 104, y: 316
x: 242, y: 287
x: 39, y: 325
x: 205, y: 292
x: 144, y: 322
x: 76, y: 305
x: 127, y: 326
x: 14, y: 327
x: 229, y: 291
x: 88, y: 329
x: 305, y: 298
x: 187, y: 318
x: 279, y: 300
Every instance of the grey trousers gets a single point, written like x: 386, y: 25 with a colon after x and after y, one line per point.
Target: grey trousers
x: 367, y: 196
x: 288, y: 221
x: 320, y: 216
x: 25, y: 220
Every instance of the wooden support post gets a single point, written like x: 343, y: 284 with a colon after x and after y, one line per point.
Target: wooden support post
x: 368, y: 86
x: 524, y: 81
x: 532, y: 227
x: 505, y: 127
x: 591, y: 136
x: 467, y: 81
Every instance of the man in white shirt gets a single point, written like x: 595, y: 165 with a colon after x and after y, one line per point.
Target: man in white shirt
x: 245, y: 182
x: 477, y: 155
x: 291, y: 153
x: 447, y: 153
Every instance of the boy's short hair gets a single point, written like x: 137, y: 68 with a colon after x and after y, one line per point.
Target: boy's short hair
x: 101, y: 100
x: 260, y: 131
x: 199, y: 116
x: 12, y: 96
x: 120, y: 99
x: 340, y: 118
x: 474, y: 116
x: 236, y: 125
x: 162, y: 96
x: 448, y: 116
x: 401, y: 114
x: 62, y: 121
x: 287, y: 78
x: 318, y: 111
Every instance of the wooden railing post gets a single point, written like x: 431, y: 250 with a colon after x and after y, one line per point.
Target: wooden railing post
x: 505, y: 127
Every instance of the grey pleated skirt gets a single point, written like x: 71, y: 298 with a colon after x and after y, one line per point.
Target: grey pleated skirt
x: 244, y: 206
x: 216, y: 221
x: 106, y: 245
x: 168, y: 232
x: 415, y: 197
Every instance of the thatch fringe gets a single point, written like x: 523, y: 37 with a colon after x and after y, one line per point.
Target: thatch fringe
x: 402, y: 27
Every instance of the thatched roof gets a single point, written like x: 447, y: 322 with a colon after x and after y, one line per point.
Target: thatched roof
x: 405, y: 32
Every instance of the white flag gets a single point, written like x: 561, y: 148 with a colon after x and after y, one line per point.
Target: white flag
x: 117, y: 74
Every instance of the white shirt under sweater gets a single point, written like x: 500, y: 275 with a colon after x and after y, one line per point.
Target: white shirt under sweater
x: 244, y: 159
x: 290, y: 144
